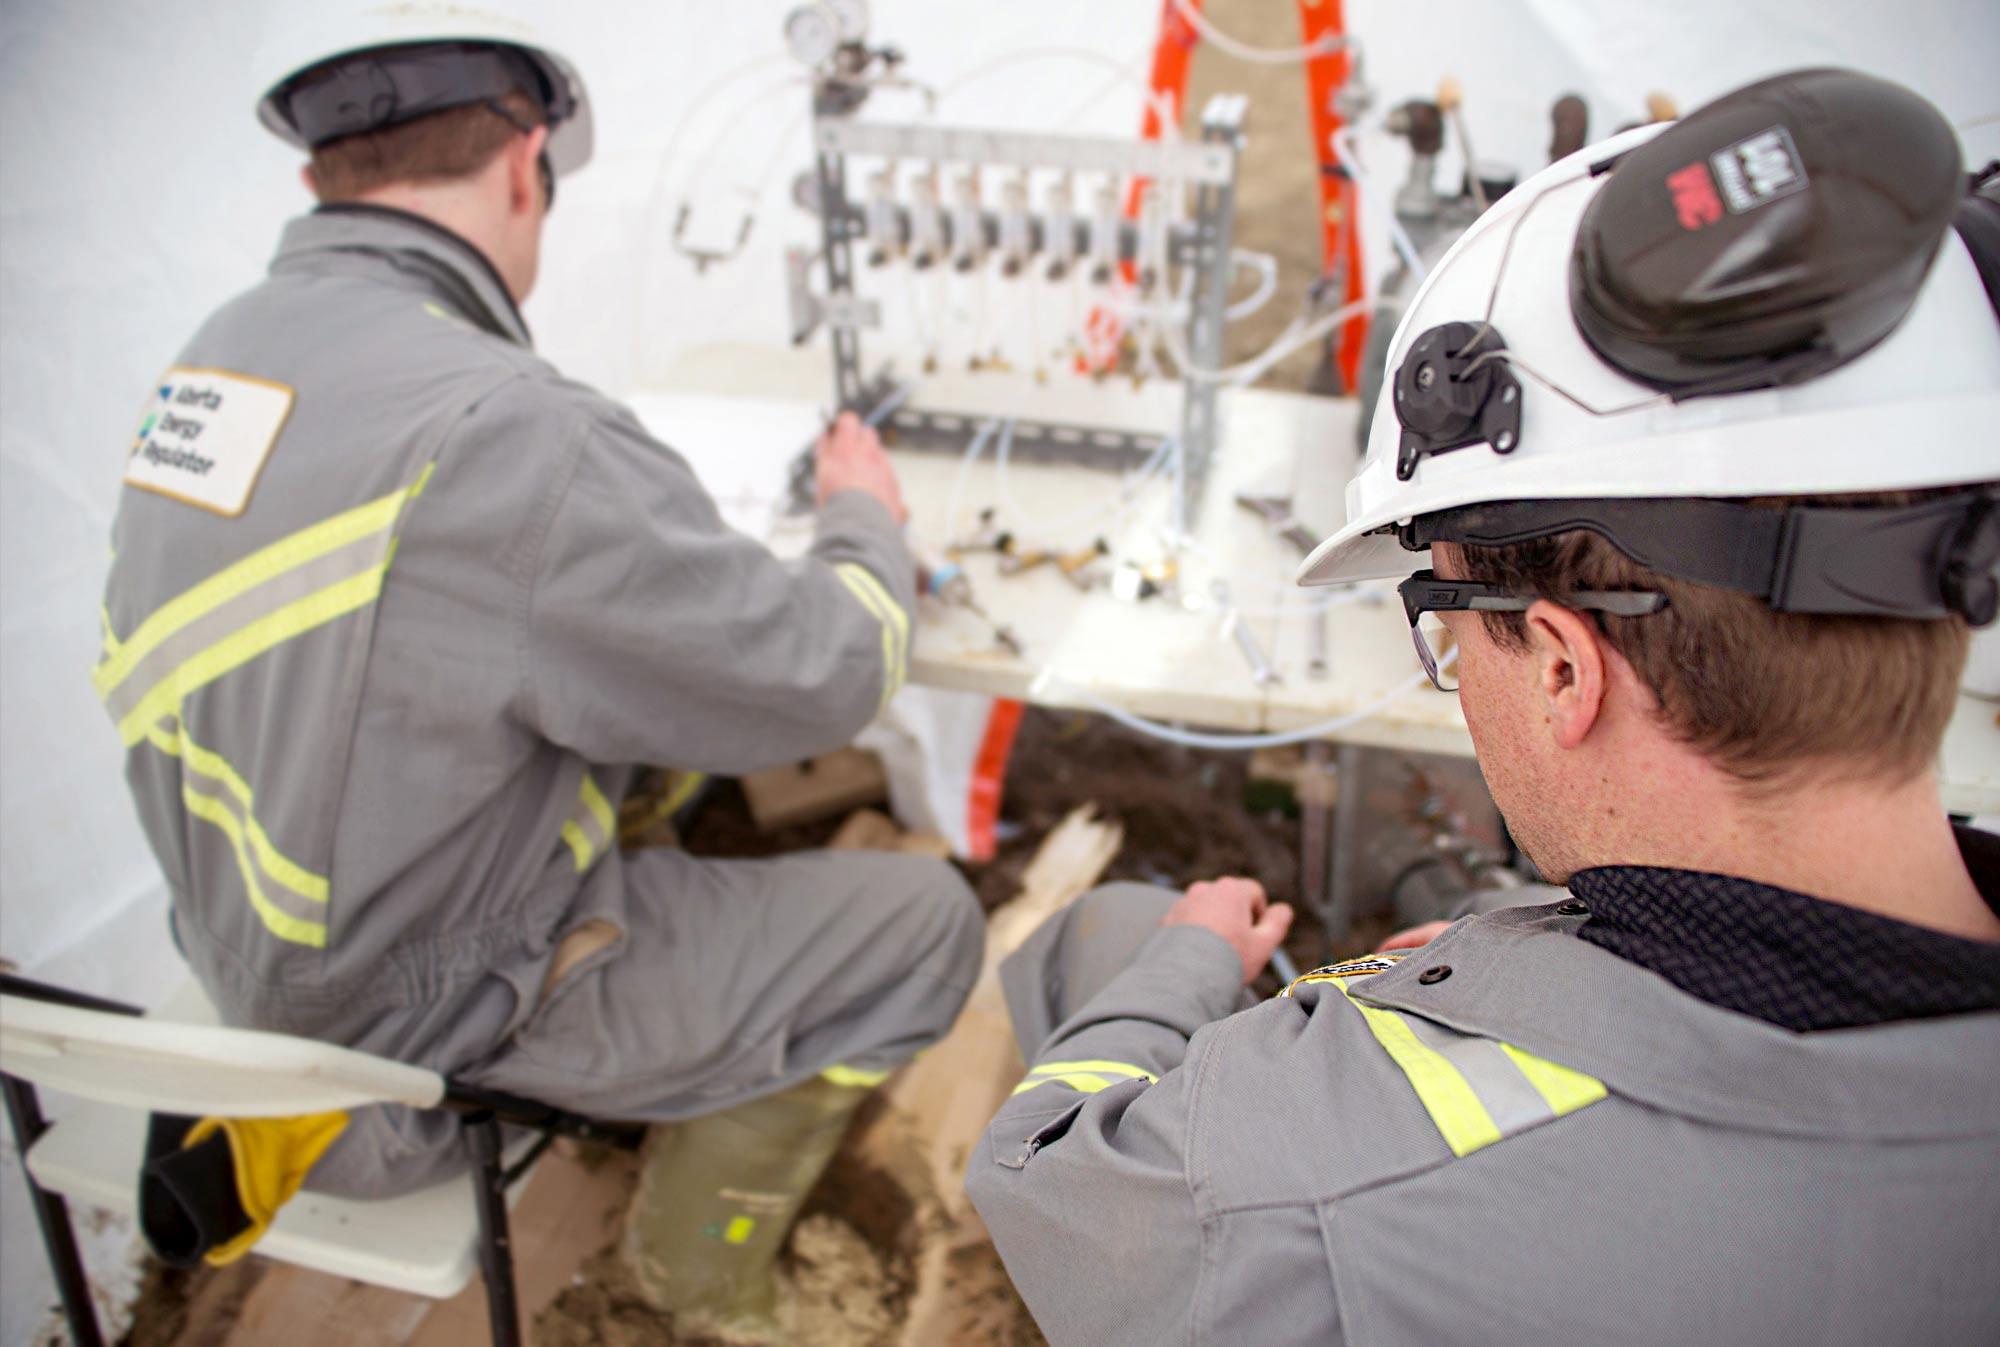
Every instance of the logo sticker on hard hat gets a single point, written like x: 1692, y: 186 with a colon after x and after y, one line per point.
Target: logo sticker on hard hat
x: 1748, y: 174
x: 1758, y: 170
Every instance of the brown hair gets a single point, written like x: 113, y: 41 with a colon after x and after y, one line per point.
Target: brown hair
x: 454, y: 143
x: 1759, y: 692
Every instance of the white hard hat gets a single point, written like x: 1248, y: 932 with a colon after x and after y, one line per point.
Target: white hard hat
x: 1550, y: 358
x: 348, y: 29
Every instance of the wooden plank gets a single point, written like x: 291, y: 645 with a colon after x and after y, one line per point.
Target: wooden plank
x: 873, y: 830
x: 818, y: 788
x: 572, y: 1208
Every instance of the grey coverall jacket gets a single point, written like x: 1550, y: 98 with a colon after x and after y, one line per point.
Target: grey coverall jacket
x: 379, y: 722
x: 1545, y: 1144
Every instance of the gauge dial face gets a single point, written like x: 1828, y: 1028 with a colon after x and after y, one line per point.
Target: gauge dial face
x: 812, y: 34
x: 851, y: 16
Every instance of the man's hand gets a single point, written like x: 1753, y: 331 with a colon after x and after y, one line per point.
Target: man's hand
x: 849, y: 457
x: 1236, y: 910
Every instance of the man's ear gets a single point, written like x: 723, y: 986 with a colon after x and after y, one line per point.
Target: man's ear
x: 1570, y: 660
x: 524, y: 174
x: 312, y: 183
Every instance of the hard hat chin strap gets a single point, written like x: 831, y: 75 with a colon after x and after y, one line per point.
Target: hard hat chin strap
x: 1938, y: 558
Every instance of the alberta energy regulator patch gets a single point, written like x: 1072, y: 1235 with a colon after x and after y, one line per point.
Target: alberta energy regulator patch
x: 205, y: 435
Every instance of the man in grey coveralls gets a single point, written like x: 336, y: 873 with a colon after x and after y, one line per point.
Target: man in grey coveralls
x: 1740, y: 1084
x: 398, y: 615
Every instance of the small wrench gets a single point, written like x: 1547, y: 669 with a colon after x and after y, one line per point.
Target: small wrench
x: 1261, y: 671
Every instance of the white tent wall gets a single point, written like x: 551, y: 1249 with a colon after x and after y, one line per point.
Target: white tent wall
x: 137, y: 192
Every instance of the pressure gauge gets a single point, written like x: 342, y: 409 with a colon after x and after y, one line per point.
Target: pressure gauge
x: 812, y: 34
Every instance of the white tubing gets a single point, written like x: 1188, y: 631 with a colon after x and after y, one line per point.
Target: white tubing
x: 957, y: 497
x: 1162, y: 106
x: 1267, y: 282
x: 1243, y: 51
x: 1294, y: 336
x: 1116, y: 508
x: 1229, y: 742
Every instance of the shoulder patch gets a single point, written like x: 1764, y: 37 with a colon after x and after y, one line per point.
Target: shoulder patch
x: 205, y: 436
x: 1350, y: 968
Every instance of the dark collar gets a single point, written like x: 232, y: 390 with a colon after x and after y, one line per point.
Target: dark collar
x: 463, y: 275
x: 1791, y: 960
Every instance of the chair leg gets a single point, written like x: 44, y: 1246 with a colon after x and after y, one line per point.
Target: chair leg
x: 496, y: 1248
x: 24, y: 1115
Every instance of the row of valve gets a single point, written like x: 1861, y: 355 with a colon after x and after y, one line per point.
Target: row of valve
x: 927, y: 231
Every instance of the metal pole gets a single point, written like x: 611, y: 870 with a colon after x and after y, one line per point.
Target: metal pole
x: 496, y: 1246
x: 24, y: 1115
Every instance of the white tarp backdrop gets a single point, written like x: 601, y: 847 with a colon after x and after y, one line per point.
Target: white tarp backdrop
x: 137, y: 192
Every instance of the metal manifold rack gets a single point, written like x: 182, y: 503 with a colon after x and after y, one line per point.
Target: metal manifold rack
x: 1185, y: 196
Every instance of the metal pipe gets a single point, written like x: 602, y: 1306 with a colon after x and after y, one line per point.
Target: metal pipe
x: 496, y: 1246
x: 24, y: 1115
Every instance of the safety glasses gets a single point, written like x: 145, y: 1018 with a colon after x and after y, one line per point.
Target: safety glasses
x: 1425, y: 596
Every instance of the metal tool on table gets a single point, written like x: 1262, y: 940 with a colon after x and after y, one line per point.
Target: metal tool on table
x: 1261, y: 670
x: 801, y: 486
x: 1277, y: 510
x: 1078, y: 567
x: 945, y: 579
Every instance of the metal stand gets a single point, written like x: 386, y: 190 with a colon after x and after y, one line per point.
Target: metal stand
x: 24, y: 1115
x: 1202, y: 246
x: 496, y: 1250
x: 1208, y: 258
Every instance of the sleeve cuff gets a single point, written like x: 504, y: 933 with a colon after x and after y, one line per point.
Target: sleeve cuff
x: 855, y: 510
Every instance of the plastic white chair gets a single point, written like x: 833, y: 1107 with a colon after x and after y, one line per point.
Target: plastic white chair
x: 122, y: 1065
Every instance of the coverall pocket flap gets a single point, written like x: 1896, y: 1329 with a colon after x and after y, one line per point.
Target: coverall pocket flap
x: 1035, y: 1131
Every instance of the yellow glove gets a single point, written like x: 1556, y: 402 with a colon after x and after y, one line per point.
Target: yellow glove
x: 272, y: 1157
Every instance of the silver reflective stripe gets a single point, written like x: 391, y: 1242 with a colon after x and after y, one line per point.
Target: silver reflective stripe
x: 343, y: 563
x: 1512, y: 1103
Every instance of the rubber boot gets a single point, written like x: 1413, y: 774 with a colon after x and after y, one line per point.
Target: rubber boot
x: 716, y: 1198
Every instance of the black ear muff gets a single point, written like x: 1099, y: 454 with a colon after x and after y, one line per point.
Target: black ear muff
x: 1454, y: 389
x: 1977, y: 220
x: 1767, y: 238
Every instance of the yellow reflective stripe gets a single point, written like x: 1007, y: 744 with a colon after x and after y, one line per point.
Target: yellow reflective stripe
x: 1082, y: 1081
x: 174, y: 742
x: 895, y: 623
x: 110, y: 636
x: 1565, y: 1088
x: 599, y: 807
x: 889, y: 606
x: 592, y: 812
x: 234, y: 651
x: 1086, y: 1076
x: 1445, y: 1094
x: 858, y: 1077
x: 253, y: 570
x: 279, y: 922
x: 579, y: 845
x: 682, y: 792
x: 1115, y: 1068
